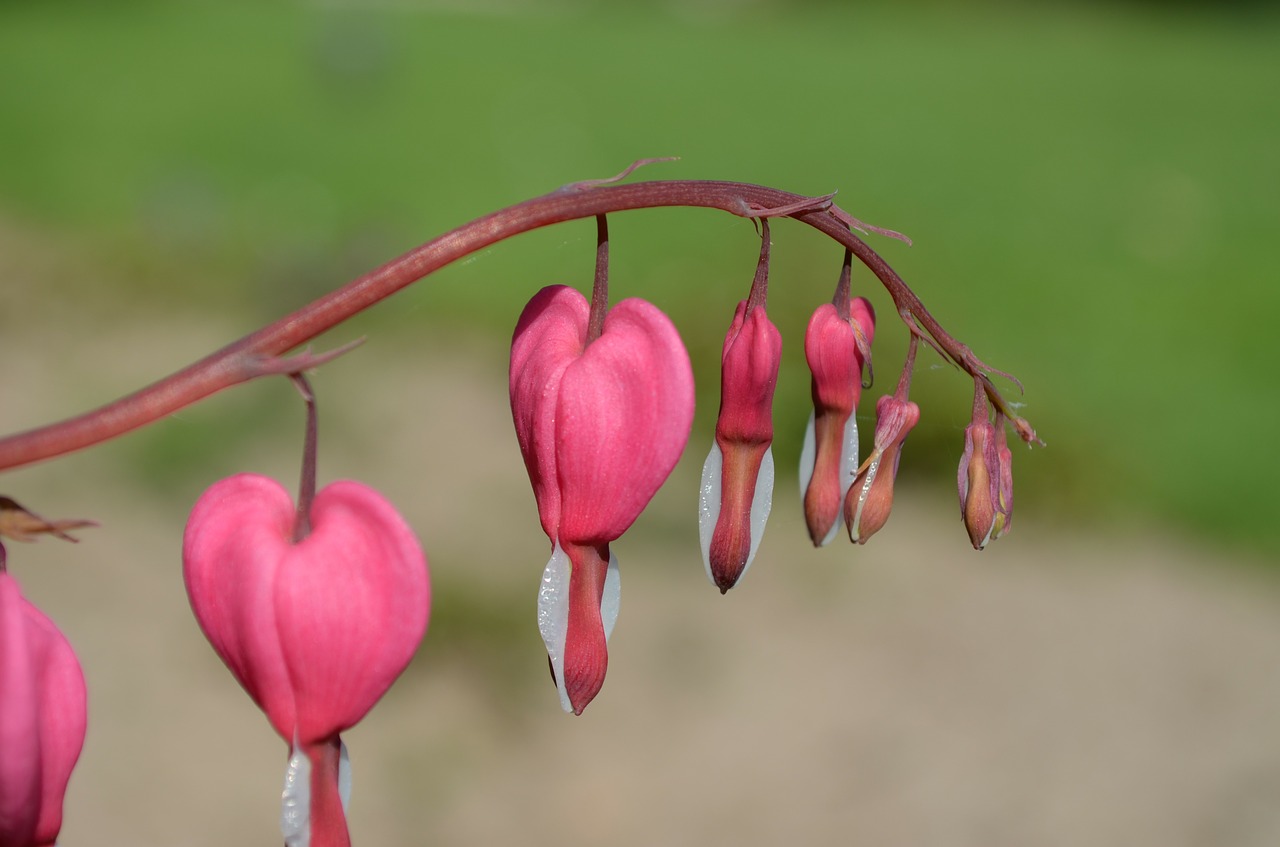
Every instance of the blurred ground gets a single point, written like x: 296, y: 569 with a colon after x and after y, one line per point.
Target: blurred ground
x: 1058, y: 689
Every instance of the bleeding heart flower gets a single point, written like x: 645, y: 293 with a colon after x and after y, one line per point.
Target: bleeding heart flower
x: 836, y: 349
x: 42, y: 719
x: 737, y: 479
x: 315, y: 630
x: 600, y: 426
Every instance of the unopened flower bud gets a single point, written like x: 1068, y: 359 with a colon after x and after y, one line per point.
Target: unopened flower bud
x: 870, y: 498
x: 737, y: 478
x: 836, y: 350
x: 977, y: 481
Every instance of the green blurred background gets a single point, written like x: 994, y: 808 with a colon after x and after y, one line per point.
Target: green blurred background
x: 1091, y: 188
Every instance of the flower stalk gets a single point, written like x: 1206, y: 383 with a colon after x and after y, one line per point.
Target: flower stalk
x: 244, y: 360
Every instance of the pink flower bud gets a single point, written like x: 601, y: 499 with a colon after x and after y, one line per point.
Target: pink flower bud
x: 1004, y: 507
x: 737, y: 479
x: 42, y: 720
x: 870, y: 498
x: 315, y: 631
x: 977, y: 481
x: 836, y: 350
x: 600, y: 427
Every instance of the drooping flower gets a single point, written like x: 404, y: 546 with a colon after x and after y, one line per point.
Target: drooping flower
x: 836, y: 349
x: 870, y: 498
x: 315, y: 630
x: 737, y: 478
x: 600, y: 426
x: 977, y: 480
x: 42, y: 719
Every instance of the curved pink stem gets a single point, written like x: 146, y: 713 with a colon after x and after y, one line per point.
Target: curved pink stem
x: 252, y: 355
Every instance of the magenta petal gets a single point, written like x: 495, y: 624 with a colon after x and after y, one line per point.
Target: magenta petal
x: 20, y: 784
x: 624, y: 413
x: 351, y: 603
x: 550, y: 334
x: 234, y: 541
x: 316, y: 631
x: 42, y: 719
x: 748, y: 376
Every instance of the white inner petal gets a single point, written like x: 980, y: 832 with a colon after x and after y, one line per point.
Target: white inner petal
x: 295, y: 801
x: 344, y: 775
x: 553, y: 616
x: 761, y: 504
x: 848, y: 470
x: 709, y: 503
x: 808, y: 455
x: 849, y: 455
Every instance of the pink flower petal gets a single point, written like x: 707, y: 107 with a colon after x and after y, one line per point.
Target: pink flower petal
x: 316, y: 631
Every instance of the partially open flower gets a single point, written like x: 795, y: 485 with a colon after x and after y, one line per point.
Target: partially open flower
x: 870, y: 498
x: 737, y: 479
x: 836, y: 349
x: 600, y: 426
x: 42, y: 719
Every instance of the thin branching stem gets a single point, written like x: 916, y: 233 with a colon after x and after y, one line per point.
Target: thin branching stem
x: 244, y: 359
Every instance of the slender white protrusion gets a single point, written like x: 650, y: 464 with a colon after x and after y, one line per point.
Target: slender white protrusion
x: 553, y: 610
x: 710, y: 498
x: 295, y: 800
x: 709, y: 504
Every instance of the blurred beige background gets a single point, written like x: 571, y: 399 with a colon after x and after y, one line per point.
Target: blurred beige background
x: 1060, y: 688
x: 1090, y: 187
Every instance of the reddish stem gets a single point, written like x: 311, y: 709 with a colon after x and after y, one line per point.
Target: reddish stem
x: 243, y: 360
x: 328, y: 820
x: 600, y: 288
x: 760, y: 282
x: 307, y: 482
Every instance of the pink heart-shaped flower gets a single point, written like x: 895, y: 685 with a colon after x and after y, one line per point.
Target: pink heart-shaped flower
x: 600, y: 427
x: 315, y: 631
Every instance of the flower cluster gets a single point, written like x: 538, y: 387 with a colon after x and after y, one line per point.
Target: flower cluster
x: 602, y: 415
x: 316, y: 607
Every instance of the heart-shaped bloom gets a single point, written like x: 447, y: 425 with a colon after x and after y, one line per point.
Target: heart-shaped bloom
x: 836, y: 349
x: 315, y: 630
x: 42, y: 719
x: 600, y: 427
x: 737, y: 479
x: 870, y: 498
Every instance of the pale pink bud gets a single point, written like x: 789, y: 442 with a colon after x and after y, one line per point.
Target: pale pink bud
x: 977, y: 481
x: 1004, y: 508
x: 737, y: 479
x: 836, y: 350
x: 870, y: 498
x: 600, y: 427
x: 42, y: 720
